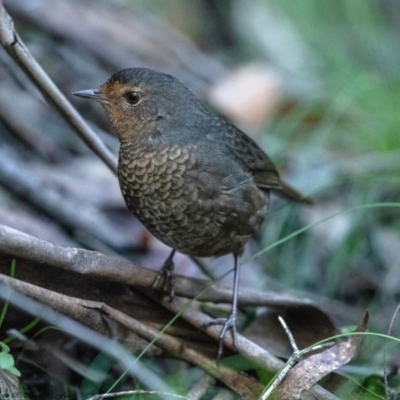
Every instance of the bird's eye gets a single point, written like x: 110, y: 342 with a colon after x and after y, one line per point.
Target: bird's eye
x: 133, y: 97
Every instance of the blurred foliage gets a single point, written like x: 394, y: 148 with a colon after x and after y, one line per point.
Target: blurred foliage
x: 358, y: 54
x: 337, y: 133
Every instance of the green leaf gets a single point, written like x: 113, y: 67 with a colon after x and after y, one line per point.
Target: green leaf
x: 14, y: 371
x: 6, y: 361
x: 4, y: 347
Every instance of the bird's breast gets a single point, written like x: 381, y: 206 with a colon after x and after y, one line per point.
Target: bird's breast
x: 149, y: 175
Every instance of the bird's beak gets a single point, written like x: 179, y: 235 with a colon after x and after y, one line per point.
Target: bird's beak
x: 93, y: 94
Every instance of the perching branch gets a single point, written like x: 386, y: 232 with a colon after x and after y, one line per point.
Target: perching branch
x: 85, y: 264
x: 92, y: 314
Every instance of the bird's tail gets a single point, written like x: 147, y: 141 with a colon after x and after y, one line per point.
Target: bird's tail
x: 287, y: 191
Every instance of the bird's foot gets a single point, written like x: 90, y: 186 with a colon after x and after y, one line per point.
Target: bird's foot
x: 228, y: 324
x: 166, y: 275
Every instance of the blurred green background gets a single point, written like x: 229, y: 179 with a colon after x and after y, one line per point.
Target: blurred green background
x: 330, y: 78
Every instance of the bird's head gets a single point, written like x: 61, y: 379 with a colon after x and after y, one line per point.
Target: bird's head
x: 139, y: 100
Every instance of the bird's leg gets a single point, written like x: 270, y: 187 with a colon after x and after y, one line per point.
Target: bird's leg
x: 166, y: 273
x: 229, y: 323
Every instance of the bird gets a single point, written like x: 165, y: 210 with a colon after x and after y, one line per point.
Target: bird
x: 197, y: 183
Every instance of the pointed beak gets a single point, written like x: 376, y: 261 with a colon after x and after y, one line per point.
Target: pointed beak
x: 93, y: 94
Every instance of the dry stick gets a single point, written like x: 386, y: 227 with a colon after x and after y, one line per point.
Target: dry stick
x: 244, y: 385
x: 11, y: 291
x: 245, y: 346
x: 200, y: 388
x: 95, y: 264
x: 165, y: 395
x: 92, y: 263
x: 385, y: 368
x: 15, y: 47
x: 92, y: 312
x: 289, y: 364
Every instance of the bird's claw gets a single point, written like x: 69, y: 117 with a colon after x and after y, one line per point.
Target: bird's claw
x: 228, y: 324
x: 166, y: 275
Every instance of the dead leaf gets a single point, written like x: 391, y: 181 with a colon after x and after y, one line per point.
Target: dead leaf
x: 310, y: 370
x: 308, y: 325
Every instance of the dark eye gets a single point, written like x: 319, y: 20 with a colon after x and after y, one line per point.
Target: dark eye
x: 133, y: 97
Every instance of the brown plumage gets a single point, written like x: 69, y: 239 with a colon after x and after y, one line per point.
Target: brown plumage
x: 195, y: 181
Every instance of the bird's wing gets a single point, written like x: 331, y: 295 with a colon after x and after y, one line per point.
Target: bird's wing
x: 255, y: 161
x: 219, y: 182
x: 251, y: 157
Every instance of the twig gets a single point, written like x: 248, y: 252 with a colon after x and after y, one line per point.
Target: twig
x: 137, y: 392
x: 130, y: 39
x: 289, y: 335
x: 241, y: 383
x: 385, y: 372
x: 89, y: 336
x: 294, y: 358
x: 289, y: 364
x: 200, y: 388
x: 97, y: 265
x: 85, y: 262
x: 15, y: 47
x: 246, y: 347
x: 92, y: 313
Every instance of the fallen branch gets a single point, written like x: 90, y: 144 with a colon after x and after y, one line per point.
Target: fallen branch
x: 81, y: 265
x: 92, y: 314
x: 95, y: 264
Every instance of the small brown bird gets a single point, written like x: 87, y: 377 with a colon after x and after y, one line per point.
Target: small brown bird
x: 195, y: 181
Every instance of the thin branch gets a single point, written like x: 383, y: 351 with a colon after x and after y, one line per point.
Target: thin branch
x: 95, y: 264
x: 75, y: 329
x: 200, y: 388
x: 92, y: 313
x: 19, y: 244
x: 15, y: 47
x: 125, y: 393
x: 385, y: 352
